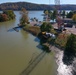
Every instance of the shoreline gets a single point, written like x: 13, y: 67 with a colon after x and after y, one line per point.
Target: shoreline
x: 62, y: 68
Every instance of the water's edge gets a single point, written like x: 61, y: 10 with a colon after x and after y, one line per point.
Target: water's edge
x: 62, y: 68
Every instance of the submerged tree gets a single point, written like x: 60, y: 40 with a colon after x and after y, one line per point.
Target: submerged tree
x: 24, y: 16
x: 10, y: 14
x: 3, y: 17
x: 7, y: 15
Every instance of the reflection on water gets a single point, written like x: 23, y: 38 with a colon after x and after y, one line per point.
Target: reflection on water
x: 10, y: 30
x: 15, y: 29
x: 36, y: 14
x: 33, y: 64
x: 63, y: 69
x: 16, y: 50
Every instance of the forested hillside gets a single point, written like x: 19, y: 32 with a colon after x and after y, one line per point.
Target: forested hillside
x: 32, y: 6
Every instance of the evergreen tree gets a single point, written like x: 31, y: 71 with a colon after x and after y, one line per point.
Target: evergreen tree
x: 69, y: 15
x: 53, y: 16
x: 63, y: 14
x: 70, y: 50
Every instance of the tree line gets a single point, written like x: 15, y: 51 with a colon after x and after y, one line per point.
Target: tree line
x: 33, y: 6
x: 52, y: 14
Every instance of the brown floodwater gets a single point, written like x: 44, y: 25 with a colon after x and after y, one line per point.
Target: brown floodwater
x: 18, y: 49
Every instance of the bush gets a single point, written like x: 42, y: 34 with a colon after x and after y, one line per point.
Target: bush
x: 61, y: 40
x: 74, y: 17
x: 70, y: 50
x: 46, y: 27
x: 71, y: 44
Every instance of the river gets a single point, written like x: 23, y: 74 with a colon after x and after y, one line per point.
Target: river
x: 18, y: 49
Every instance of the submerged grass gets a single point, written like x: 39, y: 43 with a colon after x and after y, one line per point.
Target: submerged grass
x: 35, y: 30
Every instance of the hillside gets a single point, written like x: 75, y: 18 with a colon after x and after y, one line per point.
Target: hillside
x: 32, y: 6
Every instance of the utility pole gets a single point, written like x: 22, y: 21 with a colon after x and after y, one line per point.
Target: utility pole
x: 58, y: 14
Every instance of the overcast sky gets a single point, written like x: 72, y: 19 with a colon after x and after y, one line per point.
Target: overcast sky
x: 41, y: 1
